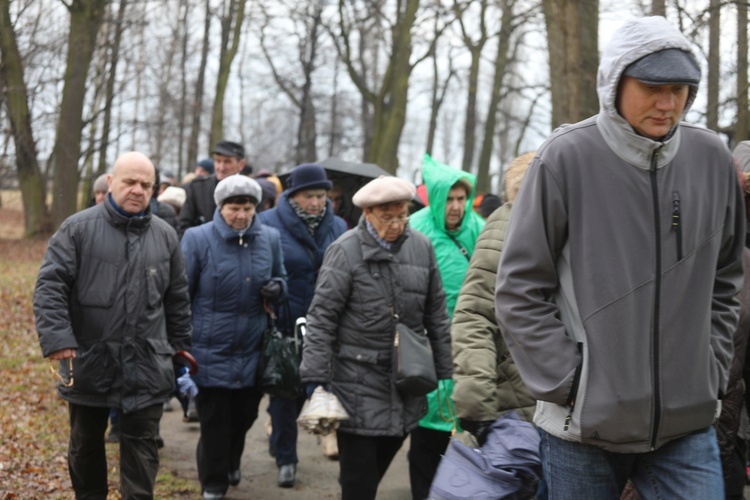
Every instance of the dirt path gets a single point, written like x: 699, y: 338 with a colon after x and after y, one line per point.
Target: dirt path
x: 317, y: 476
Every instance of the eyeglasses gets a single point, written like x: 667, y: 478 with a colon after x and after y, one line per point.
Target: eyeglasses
x: 389, y: 221
x: 57, y: 375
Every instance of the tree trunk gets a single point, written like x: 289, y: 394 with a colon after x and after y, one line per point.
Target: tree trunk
x: 572, y: 39
x: 658, y: 8
x: 714, y: 55
x: 741, y: 129
x: 30, y: 178
x: 390, y: 110
x: 182, y: 116
x: 197, y: 105
x: 437, y: 97
x: 85, y: 21
x: 307, y: 134
x: 231, y: 25
x: 501, y: 65
x: 110, y: 91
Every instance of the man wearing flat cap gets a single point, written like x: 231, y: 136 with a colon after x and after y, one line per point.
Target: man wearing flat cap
x: 372, y: 273
x: 228, y: 159
x: 616, y: 289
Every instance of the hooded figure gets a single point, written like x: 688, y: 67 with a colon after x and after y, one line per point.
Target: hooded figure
x: 453, y: 227
x: 616, y: 289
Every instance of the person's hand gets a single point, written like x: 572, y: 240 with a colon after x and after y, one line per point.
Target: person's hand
x: 62, y: 354
x: 479, y: 429
x: 271, y: 290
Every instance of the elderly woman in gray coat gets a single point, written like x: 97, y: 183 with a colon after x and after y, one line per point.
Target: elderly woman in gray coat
x: 379, y: 264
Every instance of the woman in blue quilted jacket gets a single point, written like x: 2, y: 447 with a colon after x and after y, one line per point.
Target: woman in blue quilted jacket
x: 233, y: 264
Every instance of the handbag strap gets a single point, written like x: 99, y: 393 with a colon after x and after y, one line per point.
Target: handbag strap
x: 451, y: 415
x: 388, y: 293
x: 461, y: 249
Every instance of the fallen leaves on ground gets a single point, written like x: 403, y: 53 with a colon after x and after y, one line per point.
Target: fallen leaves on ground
x: 33, y: 419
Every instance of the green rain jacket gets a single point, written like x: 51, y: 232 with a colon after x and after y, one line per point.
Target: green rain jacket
x: 452, y: 261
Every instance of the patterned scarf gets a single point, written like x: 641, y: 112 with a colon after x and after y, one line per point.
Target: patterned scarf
x: 311, y: 221
x: 378, y: 239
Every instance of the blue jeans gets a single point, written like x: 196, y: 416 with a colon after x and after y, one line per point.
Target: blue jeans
x: 688, y: 467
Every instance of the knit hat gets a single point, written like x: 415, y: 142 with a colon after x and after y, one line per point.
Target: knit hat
x: 307, y: 176
x: 100, y: 184
x: 268, y: 188
x: 237, y: 185
x: 206, y: 164
x: 666, y: 67
x: 384, y: 189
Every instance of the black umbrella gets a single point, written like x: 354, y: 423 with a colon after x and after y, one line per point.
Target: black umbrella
x: 348, y: 177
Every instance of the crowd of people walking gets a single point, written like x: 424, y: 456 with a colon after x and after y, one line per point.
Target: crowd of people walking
x: 602, y: 298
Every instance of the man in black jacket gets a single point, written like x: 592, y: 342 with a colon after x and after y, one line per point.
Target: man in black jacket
x: 112, y: 305
x: 229, y: 159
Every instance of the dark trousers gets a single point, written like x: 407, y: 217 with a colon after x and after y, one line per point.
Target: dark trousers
x: 283, y: 440
x: 425, y: 452
x: 363, y: 461
x: 225, y: 417
x: 139, y: 456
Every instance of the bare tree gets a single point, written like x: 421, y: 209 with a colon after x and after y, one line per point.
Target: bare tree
x: 572, y: 40
x: 714, y: 55
x: 85, y: 20
x: 741, y: 128
x: 658, y: 8
x: 438, y: 93
x: 231, y: 30
x: 388, y: 96
x: 503, y: 58
x: 197, y: 103
x: 31, y: 181
x: 475, y: 50
x: 307, y: 18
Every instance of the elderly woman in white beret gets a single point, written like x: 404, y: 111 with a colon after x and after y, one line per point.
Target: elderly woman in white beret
x: 379, y: 266
x: 233, y: 263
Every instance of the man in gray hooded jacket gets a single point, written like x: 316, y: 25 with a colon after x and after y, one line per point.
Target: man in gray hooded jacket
x: 616, y: 288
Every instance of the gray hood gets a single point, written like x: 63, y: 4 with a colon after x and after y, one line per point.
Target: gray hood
x: 634, y: 40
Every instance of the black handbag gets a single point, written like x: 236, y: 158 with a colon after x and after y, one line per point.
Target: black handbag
x: 413, y: 362
x: 279, y: 363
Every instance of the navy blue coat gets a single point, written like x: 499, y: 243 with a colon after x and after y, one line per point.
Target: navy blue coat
x: 225, y: 275
x: 303, y: 253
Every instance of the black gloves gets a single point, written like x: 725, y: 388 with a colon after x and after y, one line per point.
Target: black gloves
x: 479, y: 429
x: 271, y: 291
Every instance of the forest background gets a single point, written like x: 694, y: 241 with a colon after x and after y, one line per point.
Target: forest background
x: 472, y: 82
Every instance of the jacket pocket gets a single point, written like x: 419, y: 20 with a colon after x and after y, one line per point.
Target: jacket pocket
x: 93, y: 370
x: 96, y: 282
x: 359, y: 354
x: 158, y: 373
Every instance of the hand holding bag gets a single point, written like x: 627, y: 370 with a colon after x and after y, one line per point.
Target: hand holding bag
x: 278, y: 371
x: 413, y: 362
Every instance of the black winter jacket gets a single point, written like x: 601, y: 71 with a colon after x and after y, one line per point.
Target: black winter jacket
x: 114, y: 288
x: 199, y: 203
x: 350, y: 329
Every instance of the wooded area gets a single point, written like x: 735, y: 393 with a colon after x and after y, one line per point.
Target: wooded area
x: 473, y: 82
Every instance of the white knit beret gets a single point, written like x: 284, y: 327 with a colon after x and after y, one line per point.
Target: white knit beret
x: 384, y: 189
x: 237, y: 185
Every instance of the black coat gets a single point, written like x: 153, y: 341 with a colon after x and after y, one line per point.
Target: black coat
x: 350, y: 329
x: 115, y: 289
x: 199, y: 203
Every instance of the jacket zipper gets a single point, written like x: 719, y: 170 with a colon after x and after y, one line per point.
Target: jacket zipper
x: 676, y: 227
x: 657, y: 300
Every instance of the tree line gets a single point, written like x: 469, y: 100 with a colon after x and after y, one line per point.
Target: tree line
x: 473, y: 82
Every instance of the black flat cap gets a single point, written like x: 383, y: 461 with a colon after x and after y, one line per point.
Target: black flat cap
x: 666, y: 67
x: 229, y: 148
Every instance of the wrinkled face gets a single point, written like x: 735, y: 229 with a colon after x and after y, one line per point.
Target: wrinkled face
x: 132, y: 184
x: 99, y: 196
x: 311, y: 201
x: 224, y: 166
x: 389, y: 220
x: 652, y: 110
x: 237, y: 215
x: 455, y: 207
